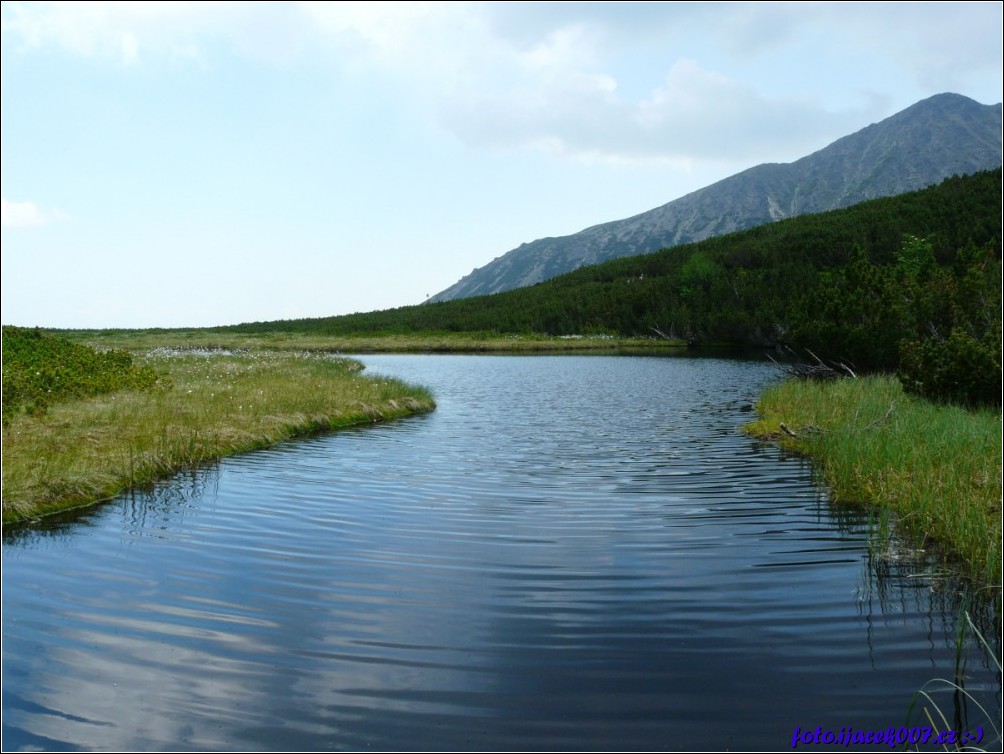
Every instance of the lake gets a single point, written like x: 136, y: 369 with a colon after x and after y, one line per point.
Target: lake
x: 571, y: 552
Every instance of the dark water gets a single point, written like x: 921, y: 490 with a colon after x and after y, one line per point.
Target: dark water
x: 570, y: 553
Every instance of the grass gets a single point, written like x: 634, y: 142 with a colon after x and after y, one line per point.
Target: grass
x: 470, y: 342
x: 85, y: 450
x: 938, y: 468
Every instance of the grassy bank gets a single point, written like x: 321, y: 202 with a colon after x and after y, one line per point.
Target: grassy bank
x: 471, y: 342
x: 83, y: 450
x: 937, y: 467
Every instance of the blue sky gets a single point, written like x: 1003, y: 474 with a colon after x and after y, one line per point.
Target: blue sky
x: 189, y: 164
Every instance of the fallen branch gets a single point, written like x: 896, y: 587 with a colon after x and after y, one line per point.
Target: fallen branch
x: 820, y: 370
x: 663, y: 335
x: 809, y: 429
x: 784, y: 428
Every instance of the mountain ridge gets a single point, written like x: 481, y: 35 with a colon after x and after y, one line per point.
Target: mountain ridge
x: 943, y: 135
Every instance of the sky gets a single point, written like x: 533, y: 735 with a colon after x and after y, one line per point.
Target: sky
x: 182, y: 164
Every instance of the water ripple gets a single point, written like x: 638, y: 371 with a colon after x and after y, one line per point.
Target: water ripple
x: 570, y: 553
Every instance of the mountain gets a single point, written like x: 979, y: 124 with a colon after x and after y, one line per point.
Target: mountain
x: 944, y: 135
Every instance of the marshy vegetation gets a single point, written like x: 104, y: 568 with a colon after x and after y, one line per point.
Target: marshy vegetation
x: 356, y: 343
x: 937, y: 467
x: 171, y: 411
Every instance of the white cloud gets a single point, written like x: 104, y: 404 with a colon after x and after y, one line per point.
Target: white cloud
x: 568, y: 79
x: 20, y: 214
x: 693, y: 115
x: 118, y: 30
x: 632, y: 82
x: 26, y: 215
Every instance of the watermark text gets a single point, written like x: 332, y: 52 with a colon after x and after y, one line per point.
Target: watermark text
x: 892, y: 737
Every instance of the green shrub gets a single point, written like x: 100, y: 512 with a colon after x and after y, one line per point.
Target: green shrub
x: 959, y: 369
x: 40, y: 369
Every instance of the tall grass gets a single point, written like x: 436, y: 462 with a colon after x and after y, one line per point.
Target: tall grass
x: 937, y: 467
x: 90, y: 449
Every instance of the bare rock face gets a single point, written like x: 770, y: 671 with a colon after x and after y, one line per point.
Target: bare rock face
x: 938, y: 137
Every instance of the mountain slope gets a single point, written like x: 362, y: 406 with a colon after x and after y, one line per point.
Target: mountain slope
x: 944, y: 135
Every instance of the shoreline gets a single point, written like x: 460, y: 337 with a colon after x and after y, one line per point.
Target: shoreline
x: 83, y: 452
x: 936, y: 467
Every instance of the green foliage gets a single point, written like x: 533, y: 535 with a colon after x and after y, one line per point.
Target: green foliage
x: 959, y: 369
x: 40, y: 369
x: 699, y: 275
x: 857, y: 313
x: 915, y: 257
x: 954, y: 351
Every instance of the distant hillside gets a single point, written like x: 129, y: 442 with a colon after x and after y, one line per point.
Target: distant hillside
x: 909, y: 283
x: 945, y: 135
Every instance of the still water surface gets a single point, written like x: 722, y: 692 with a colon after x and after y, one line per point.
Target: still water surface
x: 572, y: 552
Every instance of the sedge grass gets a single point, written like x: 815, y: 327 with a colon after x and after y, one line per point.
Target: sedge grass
x: 86, y: 450
x: 938, y: 468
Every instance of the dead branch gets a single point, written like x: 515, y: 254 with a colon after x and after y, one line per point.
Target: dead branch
x: 818, y: 370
